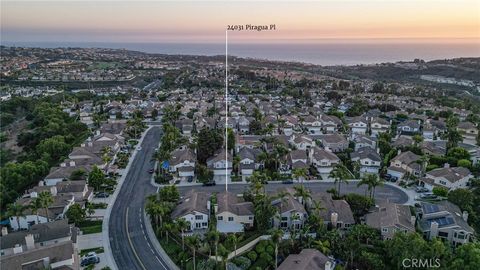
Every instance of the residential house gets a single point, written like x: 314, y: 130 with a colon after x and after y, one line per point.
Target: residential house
x: 312, y: 125
x: 469, y: 132
x: 405, y: 163
x: 183, y: 163
x: 379, y: 125
x: 302, y: 142
x: 364, y: 141
x: 450, y: 178
x: 220, y: 163
x: 307, y: 259
x: 369, y: 159
x: 335, y: 213
x: 358, y: 125
x: 38, y: 235
x: 391, y: 218
x: 195, y: 209
x: 323, y: 160
x: 445, y: 221
x: 409, y: 127
x: 232, y: 213
x: 291, y: 213
x: 248, y: 161
x: 334, y: 142
x: 62, y: 255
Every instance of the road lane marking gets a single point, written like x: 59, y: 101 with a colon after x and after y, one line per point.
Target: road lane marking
x: 130, y: 241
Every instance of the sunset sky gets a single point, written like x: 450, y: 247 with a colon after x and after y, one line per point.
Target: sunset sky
x: 205, y: 21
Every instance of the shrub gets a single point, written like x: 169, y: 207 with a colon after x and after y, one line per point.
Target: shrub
x: 260, y: 248
x: 270, y: 250
x: 252, y: 255
x: 440, y: 191
x: 242, y: 262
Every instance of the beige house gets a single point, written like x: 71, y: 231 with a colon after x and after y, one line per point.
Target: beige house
x: 232, y: 213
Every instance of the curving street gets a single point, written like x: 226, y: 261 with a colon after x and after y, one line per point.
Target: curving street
x: 131, y: 247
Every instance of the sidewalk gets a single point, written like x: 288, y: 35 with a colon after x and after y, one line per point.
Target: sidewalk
x: 105, y: 233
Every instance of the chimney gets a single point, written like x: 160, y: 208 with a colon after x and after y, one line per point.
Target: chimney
x: 17, y: 249
x: 98, y: 132
x: 33, y: 194
x: 72, y: 163
x: 399, y: 152
x: 412, y: 220
x: 446, y: 165
x: 334, y: 219
x: 328, y: 265
x: 82, y: 145
x: 63, y: 164
x: 433, y: 230
x: 41, y: 183
x: 90, y: 144
x: 4, y: 231
x: 465, y: 216
x: 209, y: 206
x: 215, y: 208
x: 30, y: 241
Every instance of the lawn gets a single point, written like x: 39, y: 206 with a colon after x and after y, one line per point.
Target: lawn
x: 97, y: 250
x: 91, y: 226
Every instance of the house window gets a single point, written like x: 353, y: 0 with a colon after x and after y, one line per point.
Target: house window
x: 284, y: 218
x: 197, y: 225
x: 220, y: 217
x: 198, y: 217
x: 384, y: 230
x: 204, y: 224
x: 250, y: 218
x: 443, y: 234
x: 283, y: 224
x: 230, y: 218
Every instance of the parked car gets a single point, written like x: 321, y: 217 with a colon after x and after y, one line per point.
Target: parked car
x: 211, y: 183
x: 421, y: 189
x: 102, y: 195
x: 151, y: 170
x: 287, y: 182
x: 190, y: 179
x: 428, y: 196
x: 90, y: 258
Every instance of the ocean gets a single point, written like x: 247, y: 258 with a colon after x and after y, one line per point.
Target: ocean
x: 329, y: 52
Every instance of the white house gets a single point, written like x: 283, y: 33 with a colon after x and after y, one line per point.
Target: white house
x: 195, y: 209
x: 451, y: 178
x: 221, y: 163
x: 358, y: 125
x: 232, y: 213
x: 323, y: 160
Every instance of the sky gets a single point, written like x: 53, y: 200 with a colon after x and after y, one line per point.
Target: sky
x: 206, y: 21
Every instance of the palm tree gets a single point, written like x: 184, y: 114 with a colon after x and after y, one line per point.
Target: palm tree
x: 301, y: 191
x: 376, y: 181
x: 233, y: 239
x: 193, y: 241
x: 322, y: 246
x: 340, y: 173
x: 16, y: 210
x: 157, y: 210
x: 168, y: 227
x: 276, y: 237
x: 214, y: 236
x: 299, y: 173
x: 46, y: 200
x: 366, y: 181
x: 236, y: 163
x: 182, y: 225
x: 35, y: 205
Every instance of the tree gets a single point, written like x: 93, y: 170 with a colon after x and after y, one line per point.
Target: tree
x: 55, y: 147
x: 16, y: 210
x: 182, y: 225
x: 204, y: 174
x: 299, y: 173
x: 209, y: 141
x: 46, y: 200
x: 440, y: 191
x: 464, y: 163
x: 169, y: 194
x: 466, y: 257
x: 230, y: 139
x: 302, y: 192
x: 96, y: 178
x: 35, y: 205
x: 193, y: 241
x: 233, y: 239
x: 264, y: 212
x: 156, y: 210
x: 76, y: 214
x: 322, y: 246
x: 214, y: 237
x: 463, y: 198
x: 276, y: 237
x: 340, y: 173
x: 78, y: 174
x: 359, y: 204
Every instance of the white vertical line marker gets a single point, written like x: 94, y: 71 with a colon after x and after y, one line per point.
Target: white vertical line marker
x: 226, y: 110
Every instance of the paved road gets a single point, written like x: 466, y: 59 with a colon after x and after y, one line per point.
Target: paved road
x: 131, y: 247
x: 385, y: 192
